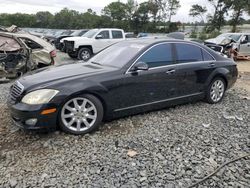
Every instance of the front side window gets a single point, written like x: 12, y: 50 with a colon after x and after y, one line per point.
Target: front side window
x: 188, y: 53
x: 104, y: 34
x: 117, y: 34
x: 157, y: 56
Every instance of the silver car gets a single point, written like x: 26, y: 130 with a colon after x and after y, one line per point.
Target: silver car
x: 240, y: 47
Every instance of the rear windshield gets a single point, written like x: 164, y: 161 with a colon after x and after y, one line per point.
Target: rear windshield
x: 117, y: 55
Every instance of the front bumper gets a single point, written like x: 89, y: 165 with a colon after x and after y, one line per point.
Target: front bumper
x: 21, y: 112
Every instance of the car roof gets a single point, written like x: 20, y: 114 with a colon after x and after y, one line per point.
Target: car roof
x: 155, y: 40
x: 40, y: 41
x: 150, y: 41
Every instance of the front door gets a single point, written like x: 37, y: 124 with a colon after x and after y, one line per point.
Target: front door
x: 244, y: 49
x: 157, y: 84
x: 103, y: 42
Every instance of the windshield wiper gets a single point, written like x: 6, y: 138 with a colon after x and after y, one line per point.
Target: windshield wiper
x: 96, y: 63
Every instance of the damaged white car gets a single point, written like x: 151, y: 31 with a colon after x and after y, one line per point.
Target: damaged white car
x: 22, y: 52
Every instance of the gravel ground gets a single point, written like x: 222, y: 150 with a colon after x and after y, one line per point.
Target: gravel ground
x: 170, y: 148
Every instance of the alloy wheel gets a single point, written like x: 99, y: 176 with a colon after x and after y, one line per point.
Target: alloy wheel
x: 217, y: 90
x: 85, y: 55
x: 79, y: 114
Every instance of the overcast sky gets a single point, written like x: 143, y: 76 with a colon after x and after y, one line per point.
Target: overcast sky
x: 53, y: 6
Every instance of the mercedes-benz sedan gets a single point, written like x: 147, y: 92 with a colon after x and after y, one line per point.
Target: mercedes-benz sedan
x: 127, y: 78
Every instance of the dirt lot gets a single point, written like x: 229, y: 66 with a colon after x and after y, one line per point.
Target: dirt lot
x: 244, y: 75
x: 173, y: 148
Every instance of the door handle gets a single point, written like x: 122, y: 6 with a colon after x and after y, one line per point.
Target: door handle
x: 172, y: 71
x: 211, y: 64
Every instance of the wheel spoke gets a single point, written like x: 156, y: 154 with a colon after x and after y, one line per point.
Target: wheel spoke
x: 78, y: 125
x: 76, y: 105
x: 70, y: 109
x: 90, y: 109
x: 91, y: 116
x: 86, y: 123
x: 84, y: 104
x: 68, y: 115
x: 71, y: 121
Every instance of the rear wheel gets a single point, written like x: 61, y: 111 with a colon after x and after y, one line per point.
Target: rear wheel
x: 84, y: 54
x: 216, y: 90
x: 81, y: 115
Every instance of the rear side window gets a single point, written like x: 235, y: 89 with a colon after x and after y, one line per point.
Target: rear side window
x: 117, y: 34
x: 157, y: 56
x: 188, y: 53
x: 207, y: 56
x: 31, y: 44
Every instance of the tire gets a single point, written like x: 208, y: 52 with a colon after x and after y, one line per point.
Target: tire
x: 72, y: 55
x: 216, y: 90
x: 88, y: 123
x: 84, y: 54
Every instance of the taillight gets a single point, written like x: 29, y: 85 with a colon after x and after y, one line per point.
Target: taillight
x: 53, y: 53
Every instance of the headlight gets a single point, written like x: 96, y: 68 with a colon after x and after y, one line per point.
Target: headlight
x: 41, y: 96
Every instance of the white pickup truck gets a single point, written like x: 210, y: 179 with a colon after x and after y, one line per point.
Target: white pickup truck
x: 92, y: 42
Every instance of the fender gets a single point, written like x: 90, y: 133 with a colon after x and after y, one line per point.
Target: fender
x: 84, y: 87
x: 219, y: 72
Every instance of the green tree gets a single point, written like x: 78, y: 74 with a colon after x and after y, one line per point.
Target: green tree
x: 44, y: 19
x: 66, y: 19
x: 115, y: 10
x: 239, y: 7
x: 221, y: 8
x: 198, y: 11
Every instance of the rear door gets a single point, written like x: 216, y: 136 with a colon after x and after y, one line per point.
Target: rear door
x: 117, y: 36
x: 193, y: 66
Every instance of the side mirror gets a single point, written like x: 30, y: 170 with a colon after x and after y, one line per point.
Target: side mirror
x: 140, y: 66
x: 99, y: 37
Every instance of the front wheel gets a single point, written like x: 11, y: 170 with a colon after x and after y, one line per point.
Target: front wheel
x: 81, y: 115
x: 84, y: 54
x: 216, y: 91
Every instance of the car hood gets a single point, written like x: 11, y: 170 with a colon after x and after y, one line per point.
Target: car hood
x: 78, y: 39
x: 219, y: 40
x: 58, y: 74
x: 215, y: 40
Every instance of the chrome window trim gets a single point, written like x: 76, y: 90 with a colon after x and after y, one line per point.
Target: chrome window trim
x: 183, y: 42
x: 155, y: 102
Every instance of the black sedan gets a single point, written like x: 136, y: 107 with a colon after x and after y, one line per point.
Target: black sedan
x: 127, y: 78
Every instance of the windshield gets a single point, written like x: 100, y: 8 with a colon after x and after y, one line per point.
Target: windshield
x: 91, y: 33
x: 75, y: 33
x: 118, y: 54
x: 235, y: 37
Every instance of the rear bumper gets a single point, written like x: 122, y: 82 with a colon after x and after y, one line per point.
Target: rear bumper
x: 20, y: 113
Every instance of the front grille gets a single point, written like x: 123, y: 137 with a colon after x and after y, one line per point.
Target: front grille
x: 69, y: 46
x: 16, y: 91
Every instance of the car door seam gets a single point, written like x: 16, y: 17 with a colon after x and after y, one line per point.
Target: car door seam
x: 155, y: 102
